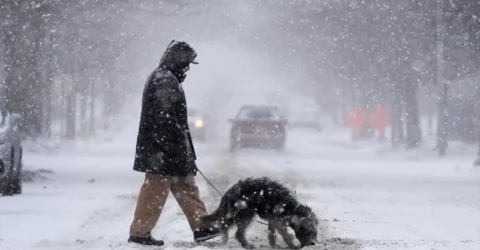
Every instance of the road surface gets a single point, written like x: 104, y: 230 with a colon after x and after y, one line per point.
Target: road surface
x: 85, y: 198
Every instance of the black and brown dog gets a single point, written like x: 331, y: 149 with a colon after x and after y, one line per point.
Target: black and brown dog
x: 272, y: 202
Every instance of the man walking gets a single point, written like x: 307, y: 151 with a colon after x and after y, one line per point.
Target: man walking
x: 165, y: 151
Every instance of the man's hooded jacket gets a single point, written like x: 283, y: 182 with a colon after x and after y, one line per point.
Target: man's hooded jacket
x: 164, y: 144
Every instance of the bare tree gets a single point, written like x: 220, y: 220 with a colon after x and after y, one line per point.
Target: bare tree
x: 477, y: 114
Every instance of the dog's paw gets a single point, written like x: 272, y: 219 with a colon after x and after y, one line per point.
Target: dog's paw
x: 272, y: 241
x: 294, y: 247
x: 224, y: 242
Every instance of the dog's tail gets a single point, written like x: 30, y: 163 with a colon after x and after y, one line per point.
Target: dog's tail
x: 217, y: 217
x: 212, y: 218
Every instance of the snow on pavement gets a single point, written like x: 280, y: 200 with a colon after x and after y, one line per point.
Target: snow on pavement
x: 383, y: 204
x: 88, y: 202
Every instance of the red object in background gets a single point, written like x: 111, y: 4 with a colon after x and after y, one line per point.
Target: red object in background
x: 380, y: 118
x: 356, y: 118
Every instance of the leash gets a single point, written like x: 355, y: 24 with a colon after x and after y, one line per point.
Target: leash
x: 220, y: 193
x: 209, y: 183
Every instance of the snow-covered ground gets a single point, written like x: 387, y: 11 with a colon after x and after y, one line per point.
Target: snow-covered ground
x: 364, y: 201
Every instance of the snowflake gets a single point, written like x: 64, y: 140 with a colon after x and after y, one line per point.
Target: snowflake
x: 241, y: 204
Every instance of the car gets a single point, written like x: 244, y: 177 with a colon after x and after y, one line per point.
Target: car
x: 261, y: 126
x: 10, y: 154
x: 198, y: 124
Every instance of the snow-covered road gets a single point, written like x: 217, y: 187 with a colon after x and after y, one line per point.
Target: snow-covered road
x: 368, y: 202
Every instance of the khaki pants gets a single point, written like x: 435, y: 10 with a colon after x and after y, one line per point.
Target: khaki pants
x: 154, y: 194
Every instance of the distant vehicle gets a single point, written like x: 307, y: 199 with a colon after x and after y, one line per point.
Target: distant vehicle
x: 198, y: 124
x: 305, y: 118
x: 258, y: 126
x: 10, y: 154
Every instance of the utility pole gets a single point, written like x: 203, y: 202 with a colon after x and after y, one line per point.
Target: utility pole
x: 442, y: 124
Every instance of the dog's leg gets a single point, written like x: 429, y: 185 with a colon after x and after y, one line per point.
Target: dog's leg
x: 225, y: 228
x: 287, y: 238
x: 240, y: 234
x: 272, y: 234
x: 224, y: 231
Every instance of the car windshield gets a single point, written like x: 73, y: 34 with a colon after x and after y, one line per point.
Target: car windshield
x: 259, y: 114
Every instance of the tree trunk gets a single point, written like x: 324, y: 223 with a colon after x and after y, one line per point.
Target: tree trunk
x: 23, y: 37
x: 70, y: 128
x: 401, y: 108
x: 83, y: 114
x: 412, y: 116
x: 35, y: 100
x: 442, y: 123
x: 93, y: 97
x: 430, y: 112
x: 477, y: 116
x: 477, y: 161
x: 63, y: 108
x: 396, y: 113
x: 107, y: 102
x: 47, y: 98
x: 47, y: 90
x: 14, y: 88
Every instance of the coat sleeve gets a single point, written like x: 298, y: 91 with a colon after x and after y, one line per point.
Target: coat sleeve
x: 166, y: 98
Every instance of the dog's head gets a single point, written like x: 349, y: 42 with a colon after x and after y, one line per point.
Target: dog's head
x: 305, y: 227
x: 306, y: 233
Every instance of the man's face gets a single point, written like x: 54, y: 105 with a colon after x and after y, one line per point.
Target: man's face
x: 186, y: 68
x: 182, y: 71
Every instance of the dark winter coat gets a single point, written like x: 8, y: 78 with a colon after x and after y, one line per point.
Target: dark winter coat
x: 164, y: 144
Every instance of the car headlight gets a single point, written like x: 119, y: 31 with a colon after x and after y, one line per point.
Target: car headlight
x: 198, y: 123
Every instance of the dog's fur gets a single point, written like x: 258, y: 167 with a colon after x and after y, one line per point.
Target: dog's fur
x: 272, y: 202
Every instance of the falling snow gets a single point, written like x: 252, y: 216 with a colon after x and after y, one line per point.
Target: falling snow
x: 369, y: 109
